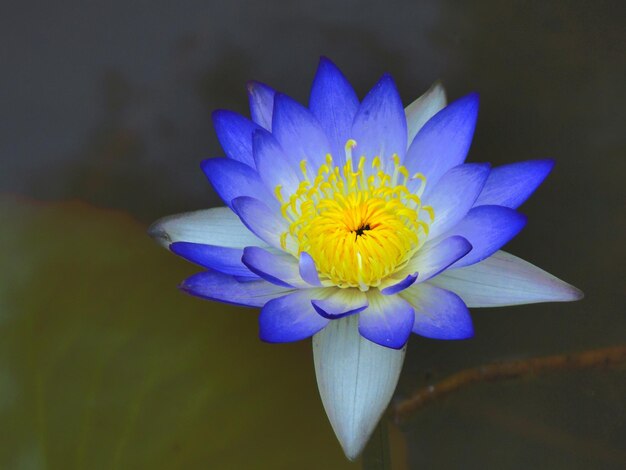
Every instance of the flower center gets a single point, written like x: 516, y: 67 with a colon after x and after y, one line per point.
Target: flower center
x: 358, y: 224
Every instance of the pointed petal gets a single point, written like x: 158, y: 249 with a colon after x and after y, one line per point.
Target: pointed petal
x: 379, y: 126
x: 232, y: 179
x: 261, y: 220
x: 299, y: 133
x: 487, y: 228
x: 444, y: 140
x: 334, y: 103
x: 433, y: 258
x: 261, y: 99
x: 439, y: 313
x: 340, y: 302
x: 387, y: 321
x: 217, y: 226
x: 504, y: 279
x: 454, y: 195
x: 235, y: 135
x: 356, y: 379
x: 273, y: 165
x: 278, y: 268
x: 308, y: 270
x: 423, y: 108
x: 290, y: 318
x: 218, y: 258
x: 510, y: 185
x: 212, y: 285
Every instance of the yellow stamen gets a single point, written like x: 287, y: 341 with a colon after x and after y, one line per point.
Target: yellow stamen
x: 358, y: 225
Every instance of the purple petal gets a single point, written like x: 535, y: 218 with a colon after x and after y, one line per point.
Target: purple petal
x: 232, y: 179
x: 510, y: 185
x: 399, y: 286
x: 334, y: 103
x: 299, y: 133
x: 341, y: 303
x: 504, y: 279
x: 261, y: 99
x: 444, y: 140
x: 487, y: 228
x: 290, y: 318
x: 265, y: 223
x: 379, y: 126
x: 235, y: 135
x: 454, y: 195
x: 433, y: 258
x: 308, y: 270
x: 387, y: 321
x: 439, y: 313
x: 223, y: 288
x: 273, y: 165
x: 219, y: 258
x: 280, y: 269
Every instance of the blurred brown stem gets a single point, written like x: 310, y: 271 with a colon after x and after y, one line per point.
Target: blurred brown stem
x: 507, y: 370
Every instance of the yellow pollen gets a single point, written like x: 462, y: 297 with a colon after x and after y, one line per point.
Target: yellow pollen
x: 359, y: 225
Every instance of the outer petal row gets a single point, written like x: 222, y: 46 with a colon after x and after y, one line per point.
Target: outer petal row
x: 356, y: 380
x: 504, y: 279
x: 218, y: 226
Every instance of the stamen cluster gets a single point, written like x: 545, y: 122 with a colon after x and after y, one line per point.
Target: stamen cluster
x: 360, y: 224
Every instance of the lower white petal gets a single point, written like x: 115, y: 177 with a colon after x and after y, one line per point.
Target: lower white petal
x: 504, y: 279
x: 218, y: 226
x: 356, y: 379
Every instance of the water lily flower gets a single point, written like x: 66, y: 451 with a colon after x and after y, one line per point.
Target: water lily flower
x: 358, y: 223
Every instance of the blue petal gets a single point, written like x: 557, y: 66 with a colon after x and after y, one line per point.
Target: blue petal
x: 261, y: 220
x: 454, y: 195
x: 487, y: 228
x: 261, y: 99
x: 334, y: 102
x: 379, y: 126
x: 387, y: 321
x: 235, y: 135
x: 433, y: 258
x: 299, y: 133
x: 219, y: 258
x: 341, y: 303
x: 510, y: 185
x: 223, y: 288
x: 308, y: 270
x: 232, y: 179
x: 280, y: 269
x: 444, y: 140
x: 399, y: 286
x: 439, y: 313
x: 290, y: 318
x: 273, y: 165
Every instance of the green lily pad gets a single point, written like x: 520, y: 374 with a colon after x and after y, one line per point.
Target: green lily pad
x: 105, y: 364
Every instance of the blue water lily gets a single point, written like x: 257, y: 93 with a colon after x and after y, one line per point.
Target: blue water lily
x: 358, y: 223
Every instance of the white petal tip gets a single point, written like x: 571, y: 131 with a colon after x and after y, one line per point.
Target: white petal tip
x: 356, y: 379
x: 158, y: 232
x: 573, y: 294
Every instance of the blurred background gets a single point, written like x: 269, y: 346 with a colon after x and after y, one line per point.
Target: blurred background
x: 105, y: 119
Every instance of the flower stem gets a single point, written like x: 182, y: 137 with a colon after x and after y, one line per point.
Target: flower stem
x: 605, y: 357
x: 376, y: 455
